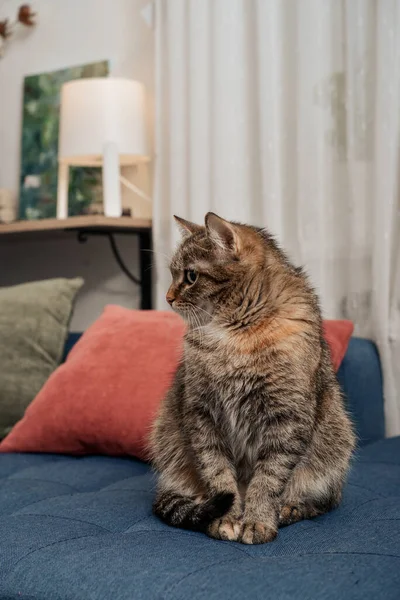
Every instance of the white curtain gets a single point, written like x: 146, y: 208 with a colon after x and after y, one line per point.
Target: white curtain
x: 286, y: 114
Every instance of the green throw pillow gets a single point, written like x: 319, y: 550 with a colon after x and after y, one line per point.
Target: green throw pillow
x: 34, y: 319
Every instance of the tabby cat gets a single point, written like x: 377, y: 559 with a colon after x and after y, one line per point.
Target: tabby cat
x: 253, y: 433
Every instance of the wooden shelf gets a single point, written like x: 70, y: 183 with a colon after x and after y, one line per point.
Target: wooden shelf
x: 75, y: 223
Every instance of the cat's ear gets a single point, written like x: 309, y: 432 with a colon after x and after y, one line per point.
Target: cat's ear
x: 187, y: 227
x: 222, y: 232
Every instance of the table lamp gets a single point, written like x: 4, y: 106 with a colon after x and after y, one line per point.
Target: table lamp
x: 102, y: 124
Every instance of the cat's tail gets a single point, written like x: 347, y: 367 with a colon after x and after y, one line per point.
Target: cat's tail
x: 182, y: 511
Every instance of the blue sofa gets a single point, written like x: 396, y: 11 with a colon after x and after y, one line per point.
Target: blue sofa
x: 82, y: 528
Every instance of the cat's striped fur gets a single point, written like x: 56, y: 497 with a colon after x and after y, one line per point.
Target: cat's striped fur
x: 253, y: 433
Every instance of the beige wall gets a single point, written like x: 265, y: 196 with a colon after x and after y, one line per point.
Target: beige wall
x: 72, y: 32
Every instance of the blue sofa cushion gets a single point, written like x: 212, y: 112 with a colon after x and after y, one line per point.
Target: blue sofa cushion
x: 82, y: 528
x: 70, y: 342
x: 360, y: 376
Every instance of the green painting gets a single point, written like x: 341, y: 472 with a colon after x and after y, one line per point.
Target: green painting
x: 39, y: 166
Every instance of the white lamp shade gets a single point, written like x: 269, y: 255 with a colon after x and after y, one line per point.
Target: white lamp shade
x: 100, y: 111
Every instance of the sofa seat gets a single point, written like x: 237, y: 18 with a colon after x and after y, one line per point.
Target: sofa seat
x: 82, y: 528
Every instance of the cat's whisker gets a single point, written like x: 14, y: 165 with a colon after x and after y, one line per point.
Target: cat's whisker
x: 198, y: 326
x: 190, y: 316
x: 204, y: 311
x: 159, y: 253
x: 196, y: 319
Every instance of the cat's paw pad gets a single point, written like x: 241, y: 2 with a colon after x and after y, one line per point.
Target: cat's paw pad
x: 288, y: 515
x: 225, y: 529
x: 256, y: 532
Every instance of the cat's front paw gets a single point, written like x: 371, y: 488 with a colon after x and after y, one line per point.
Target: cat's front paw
x: 228, y: 528
x: 256, y: 532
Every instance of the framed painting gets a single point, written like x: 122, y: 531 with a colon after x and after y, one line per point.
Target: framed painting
x: 39, y: 166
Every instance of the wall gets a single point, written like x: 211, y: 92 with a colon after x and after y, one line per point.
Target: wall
x: 72, y: 32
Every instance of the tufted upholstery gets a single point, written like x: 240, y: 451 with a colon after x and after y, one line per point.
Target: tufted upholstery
x: 81, y: 528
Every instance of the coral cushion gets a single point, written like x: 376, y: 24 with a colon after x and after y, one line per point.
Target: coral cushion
x: 104, y: 398
x: 338, y: 334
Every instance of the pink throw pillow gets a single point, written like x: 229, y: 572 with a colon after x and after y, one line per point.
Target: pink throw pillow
x: 103, y: 400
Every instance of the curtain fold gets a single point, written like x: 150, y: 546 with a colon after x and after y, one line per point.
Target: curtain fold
x: 287, y: 115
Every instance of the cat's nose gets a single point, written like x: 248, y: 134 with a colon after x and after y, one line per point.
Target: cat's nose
x: 170, y: 298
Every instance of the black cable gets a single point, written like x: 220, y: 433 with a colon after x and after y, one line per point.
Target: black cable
x: 83, y: 237
x: 119, y: 260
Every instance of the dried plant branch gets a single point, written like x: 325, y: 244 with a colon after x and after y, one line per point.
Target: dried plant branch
x: 25, y: 17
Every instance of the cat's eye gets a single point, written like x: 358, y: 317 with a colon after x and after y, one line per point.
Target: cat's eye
x: 190, y: 276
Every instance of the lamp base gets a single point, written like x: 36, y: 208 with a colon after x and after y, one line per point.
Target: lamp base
x: 62, y: 191
x: 111, y: 184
